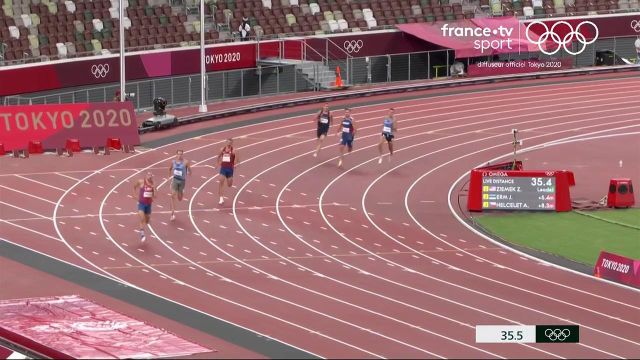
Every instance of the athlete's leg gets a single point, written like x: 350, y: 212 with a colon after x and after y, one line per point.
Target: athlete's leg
x: 319, y: 144
x: 382, y: 140
x: 143, y: 221
x: 173, y: 204
x: 221, y: 181
x: 341, y: 155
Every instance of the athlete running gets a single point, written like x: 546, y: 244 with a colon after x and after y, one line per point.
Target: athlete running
x: 144, y: 190
x: 388, y: 128
x: 348, y: 131
x: 178, y: 170
x: 227, y: 160
x: 324, y: 119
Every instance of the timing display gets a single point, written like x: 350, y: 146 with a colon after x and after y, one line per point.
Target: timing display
x: 505, y: 334
x: 524, y: 334
x: 518, y: 193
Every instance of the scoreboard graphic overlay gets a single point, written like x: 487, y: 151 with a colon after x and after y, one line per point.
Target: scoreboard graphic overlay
x: 527, y: 334
x: 519, y: 190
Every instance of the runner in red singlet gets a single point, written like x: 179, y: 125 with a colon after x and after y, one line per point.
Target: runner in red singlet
x: 227, y: 160
x: 144, y: 190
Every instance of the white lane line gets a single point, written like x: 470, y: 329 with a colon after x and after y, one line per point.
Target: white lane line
x: 41, y: 183
x: 67, y: 176
x: 27, y: 211
x: 27, y: 194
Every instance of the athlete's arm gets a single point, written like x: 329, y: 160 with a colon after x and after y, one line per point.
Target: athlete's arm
x: 188, y: 166
x: 353, y: 125
x: 236, y: 158
x: 171, y: 169
x: 394, y: 126
x: 220, y: 157
x: 136, y: 186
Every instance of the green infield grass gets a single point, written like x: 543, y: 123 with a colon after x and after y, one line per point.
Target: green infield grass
x: 579, y: 236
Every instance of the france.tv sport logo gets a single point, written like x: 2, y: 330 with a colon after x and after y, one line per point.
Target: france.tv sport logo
x: 549, y: 42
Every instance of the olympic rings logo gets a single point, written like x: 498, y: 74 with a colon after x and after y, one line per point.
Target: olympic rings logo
x: 549, y: 173
x: 562, y: 42
x: 557, y: 334
x: 100, y: 70
x: 635, y: 25
x: 353, y: 46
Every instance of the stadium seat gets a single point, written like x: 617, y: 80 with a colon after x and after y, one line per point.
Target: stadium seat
x: 53, y: 8
x: 333, y: 26
x: 328, y: 15
x: 62, y: 50
x: 343, y: 25
x: 71, y: 7
x: 371, y: 23
x: 291, y: 19
x: 34, y: 43
x: 26, y: 20
x: 14, y: 31
x: 97, y: 24
x: 71, y: 48
x: 97, y: 46
x: 315, y: 8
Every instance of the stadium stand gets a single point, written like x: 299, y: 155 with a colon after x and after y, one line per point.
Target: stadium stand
x: 37, y: 30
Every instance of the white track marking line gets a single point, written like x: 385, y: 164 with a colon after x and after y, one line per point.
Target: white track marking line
x: 40, y: 216
x: 67, y: 176
x: 31, y: 230
x: 40, y: 183
x: 27, y: 194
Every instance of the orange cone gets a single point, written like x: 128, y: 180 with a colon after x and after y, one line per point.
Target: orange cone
x: 338, y: 77
x: 597, y: 272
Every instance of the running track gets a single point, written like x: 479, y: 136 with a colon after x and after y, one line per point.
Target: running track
x: 368, y: 261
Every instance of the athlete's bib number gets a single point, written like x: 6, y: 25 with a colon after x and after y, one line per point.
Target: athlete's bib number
x: 386, y: 129
x: 226, y: 158
x: 324, y: 120
x: 177, y: 173
x: 346, y: 130
x: 147, y: 194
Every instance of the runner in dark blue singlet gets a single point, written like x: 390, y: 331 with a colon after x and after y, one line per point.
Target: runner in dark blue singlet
x: 348, y: 130
x: 324, y: 119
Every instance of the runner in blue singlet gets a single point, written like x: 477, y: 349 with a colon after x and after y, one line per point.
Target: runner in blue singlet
x: 348, y: 130
x: 388, y: 129
x: 178, y: 171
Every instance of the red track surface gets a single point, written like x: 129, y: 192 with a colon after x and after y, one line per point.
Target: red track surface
x: 368, y: 261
